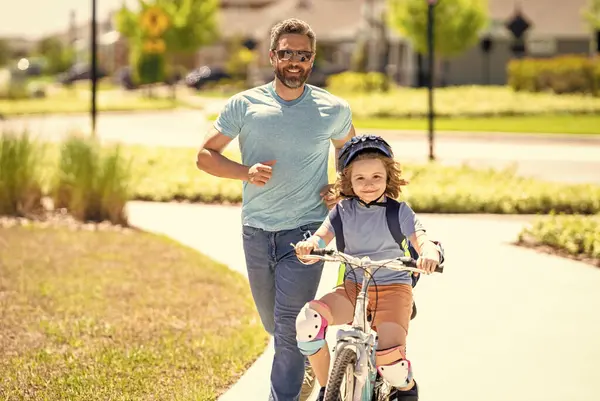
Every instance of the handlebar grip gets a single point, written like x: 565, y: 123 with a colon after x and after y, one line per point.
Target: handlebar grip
x: 321, y: 252
x: 408, y: 261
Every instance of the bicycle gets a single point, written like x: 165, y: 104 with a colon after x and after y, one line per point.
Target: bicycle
x: 355, y: 347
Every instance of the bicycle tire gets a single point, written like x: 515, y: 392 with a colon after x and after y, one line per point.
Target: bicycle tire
x: 345, y: 362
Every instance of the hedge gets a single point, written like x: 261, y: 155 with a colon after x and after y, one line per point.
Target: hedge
x: 564, y: 74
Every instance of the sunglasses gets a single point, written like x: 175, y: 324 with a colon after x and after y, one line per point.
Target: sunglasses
x: 299, y: 55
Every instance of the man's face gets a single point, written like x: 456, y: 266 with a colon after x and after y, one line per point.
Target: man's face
x: 292, y: 60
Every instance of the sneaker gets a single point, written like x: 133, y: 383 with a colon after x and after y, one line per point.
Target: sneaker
x: 409, y: 395
x: 308, y: 383
x: 321, y: 395
x: 414, y: 311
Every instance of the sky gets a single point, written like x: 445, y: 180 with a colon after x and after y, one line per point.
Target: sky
x: 36, y: 18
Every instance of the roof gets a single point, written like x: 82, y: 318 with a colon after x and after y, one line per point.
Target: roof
x: 317, y: 13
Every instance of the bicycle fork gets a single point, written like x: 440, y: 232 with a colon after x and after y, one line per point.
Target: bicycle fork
x: 365, y: 371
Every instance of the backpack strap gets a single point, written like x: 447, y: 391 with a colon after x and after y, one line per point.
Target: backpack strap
x: 336, y: 222
x: 392, y: 211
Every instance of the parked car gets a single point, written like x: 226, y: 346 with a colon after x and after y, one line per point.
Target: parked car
x: 79, y: 72
x: 205, y: 74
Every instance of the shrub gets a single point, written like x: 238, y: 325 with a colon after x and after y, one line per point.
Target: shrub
x: 564, y: 74
x: 20, y: 174
x: 358, y: 82
x: 166, y: 175
x: 92, y: 181
x: 575, y: 235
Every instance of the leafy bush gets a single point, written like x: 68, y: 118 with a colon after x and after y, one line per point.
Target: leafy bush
x: 171, y: 174
x: 575, y: 235
x: 96, y: 182
x: 13, y: 88
x: 92, y: 182
x: 355, y: 82
x: 564, y: 74
x: 20, y: 174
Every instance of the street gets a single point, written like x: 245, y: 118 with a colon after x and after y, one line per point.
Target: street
x: 501, y: 323
x: 551, y: 158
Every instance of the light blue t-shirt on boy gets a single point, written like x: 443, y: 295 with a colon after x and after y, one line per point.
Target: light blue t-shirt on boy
x: 297, y: 134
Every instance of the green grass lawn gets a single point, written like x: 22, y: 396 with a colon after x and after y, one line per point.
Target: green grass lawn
x: 111, y: 315
x: 549, y: 124
x: 477, y: 109
x: 78, y: 101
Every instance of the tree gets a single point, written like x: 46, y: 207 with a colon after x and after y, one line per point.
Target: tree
x: 183, y: 27
x: 591, y: 13
x: 5, y: 52
x: 457, y: 23
x: 58, y: 57
x: 191, y: 23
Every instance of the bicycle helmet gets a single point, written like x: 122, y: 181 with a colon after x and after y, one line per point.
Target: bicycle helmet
x: 362, y: 143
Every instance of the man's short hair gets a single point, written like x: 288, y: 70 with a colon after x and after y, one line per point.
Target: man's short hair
x: 292, y: 26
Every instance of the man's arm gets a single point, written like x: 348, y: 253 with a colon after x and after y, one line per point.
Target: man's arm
x: 339, y: 143
x: 211, y: 160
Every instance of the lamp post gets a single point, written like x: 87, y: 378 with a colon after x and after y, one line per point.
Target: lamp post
x: 431, y: 54
x: 94, y: 67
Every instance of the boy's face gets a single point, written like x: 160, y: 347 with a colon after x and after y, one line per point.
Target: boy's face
x: 369, y: 179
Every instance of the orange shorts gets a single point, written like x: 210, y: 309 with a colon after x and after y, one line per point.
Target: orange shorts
x: 390, y: 308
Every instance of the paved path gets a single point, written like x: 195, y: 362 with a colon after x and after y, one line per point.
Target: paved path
x: 560, y: 158
x: 512, y: 323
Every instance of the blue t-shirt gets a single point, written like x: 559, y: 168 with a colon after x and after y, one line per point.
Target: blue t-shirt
x: 297, y: 134
x: 366, y: 233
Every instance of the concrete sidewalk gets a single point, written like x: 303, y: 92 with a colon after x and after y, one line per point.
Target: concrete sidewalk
x: 510, y: 323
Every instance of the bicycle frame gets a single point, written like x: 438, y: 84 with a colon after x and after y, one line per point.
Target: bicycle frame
x: 360, y: 337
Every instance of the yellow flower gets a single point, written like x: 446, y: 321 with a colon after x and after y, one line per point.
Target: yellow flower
x: 154, y: 21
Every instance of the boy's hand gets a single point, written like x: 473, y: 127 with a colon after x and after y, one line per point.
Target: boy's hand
x: 328, y: 196
x: 429, y: 259
x: 304, y: 248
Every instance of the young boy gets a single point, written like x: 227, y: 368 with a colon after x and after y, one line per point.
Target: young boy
x: 369, y: 179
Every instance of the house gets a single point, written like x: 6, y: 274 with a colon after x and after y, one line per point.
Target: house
x: 337, y: 24
x: 556, y: 28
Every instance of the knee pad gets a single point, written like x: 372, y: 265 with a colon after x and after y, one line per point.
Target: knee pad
x: 394, y: 367
x: 311, y: 327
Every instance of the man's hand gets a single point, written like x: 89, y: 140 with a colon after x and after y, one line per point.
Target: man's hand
x: 429, y: 259
x: 328, y: 196
x: 260, y: 173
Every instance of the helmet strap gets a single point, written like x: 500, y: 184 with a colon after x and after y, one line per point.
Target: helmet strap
x: 376, y: 202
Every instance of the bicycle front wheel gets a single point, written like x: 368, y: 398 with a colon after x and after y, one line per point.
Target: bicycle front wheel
x: 340, y: 385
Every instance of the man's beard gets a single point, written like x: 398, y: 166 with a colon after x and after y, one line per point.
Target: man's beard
x: 293, y: 81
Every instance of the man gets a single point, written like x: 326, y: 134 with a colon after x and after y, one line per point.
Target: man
x: 284, y: 130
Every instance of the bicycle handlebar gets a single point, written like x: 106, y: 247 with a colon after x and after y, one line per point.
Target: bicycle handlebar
x: 405, y: 261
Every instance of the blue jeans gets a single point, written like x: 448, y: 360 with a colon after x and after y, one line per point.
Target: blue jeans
x: 281, y: 286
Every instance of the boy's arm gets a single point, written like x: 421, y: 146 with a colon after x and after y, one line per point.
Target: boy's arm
x: 324, y: 233
x: 422, y: 243
x: 410, y: 223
